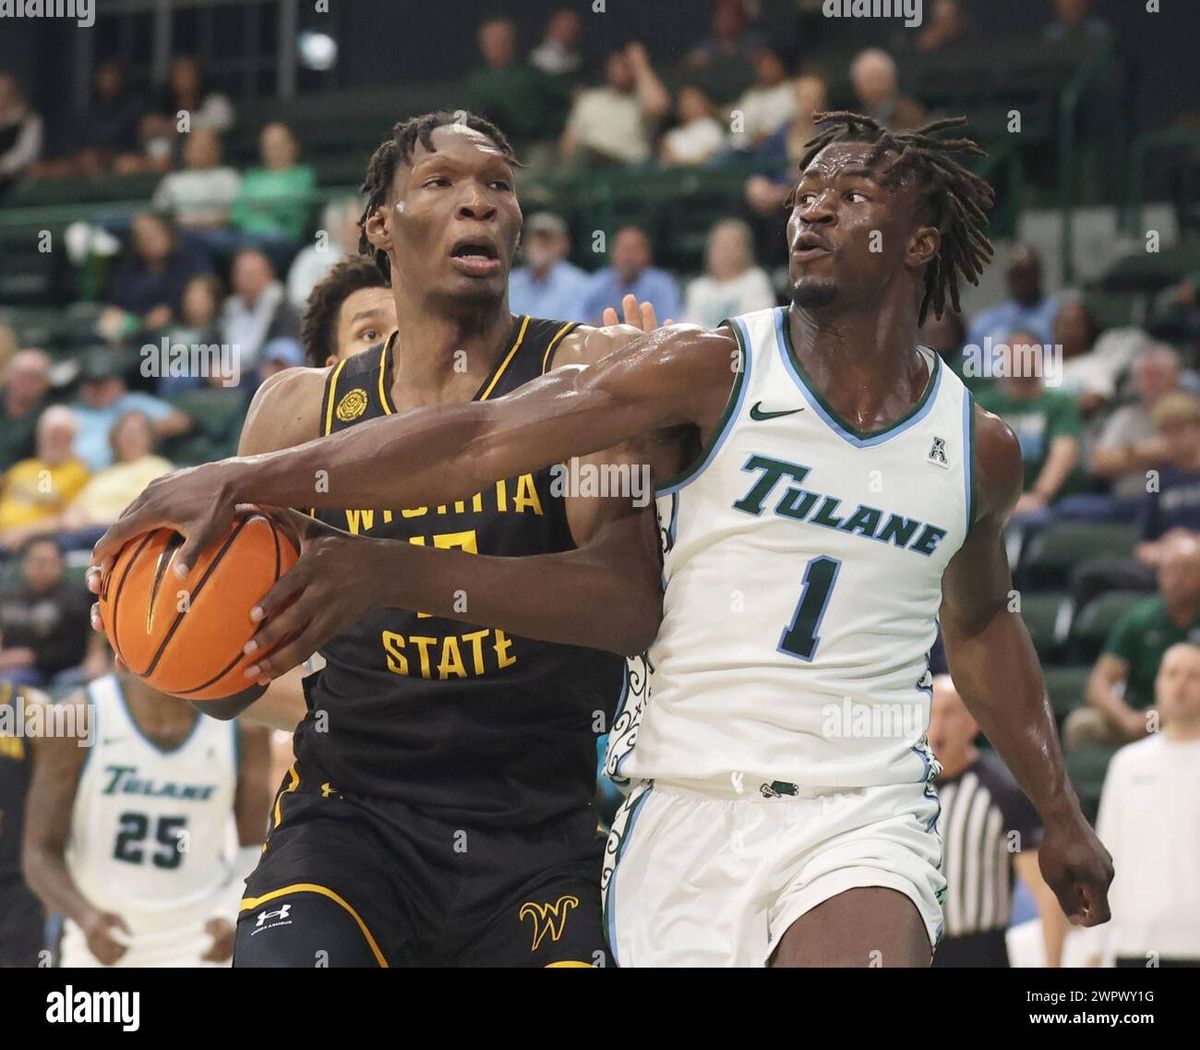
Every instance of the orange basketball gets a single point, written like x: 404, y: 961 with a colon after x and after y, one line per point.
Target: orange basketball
x: 185, y: 636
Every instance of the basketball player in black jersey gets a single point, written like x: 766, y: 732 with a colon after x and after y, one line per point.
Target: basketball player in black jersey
x: 439, y: 810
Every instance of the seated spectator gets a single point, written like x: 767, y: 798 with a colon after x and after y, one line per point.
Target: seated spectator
x: 257, y: 310
x: 106, y: 495
x: 351, y: 310
x: 337, y: 239
x: 217, y: 412
x: 1149, y: 821
x: 1128, y: 445
x: 26, y: 380
x: 982, y: 809
x: 1092, y: 363
x: 1074, y: 30
x: 44, y: 620
x: 515, y: 95
x: 613, y: 124
x: 768, y: 105
x: 945, y: 28
x: 698, y: 137
x: 187, y: 93
x: 631, y: 273
x: 547, y: 285
x: 20, y: 134
x: 274, y: 202
x: 945, y: 335
x: 200, y: 196
x: 107, y: 131
x: 146, y: 288
x: 278, y: 354
x: 1121, y: 686
x: 877, y: 86
x: 558, y: 54
x: 1027, y: 306
x: 725, y: 58
x: 103, y: 399
x: 35, y: 492
x: 732, y: 285
x: 197, y: 326
x: 1046, y: 422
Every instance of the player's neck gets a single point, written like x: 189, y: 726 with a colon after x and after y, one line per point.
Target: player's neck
x: 447, y: 357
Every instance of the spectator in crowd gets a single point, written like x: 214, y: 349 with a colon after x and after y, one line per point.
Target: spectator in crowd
x: 197, y: 326
x: 1149, y: 821
x: 1128, y: 445
x: 1073, y: 29
x: 517, y: 96
x: 35, y: 492
x: 1092, y: 363
x: 278, y: 354
x: 44, y: 620
x: 1046, y: 422
x: 698, y: 137
x: 200, y: 196
x: 337, y: 239
x: 1121, y: 686
x: 876, y: 84
x: 350, y: 310
x: 103, y: 399
x: 945, y: 335
x: 558, y: 54
x: 275, y: 200
x: 631, y: 273
x: 767, y: 105
x: 257, y: 311
x: 547, y: 285
x: 732, y: 284
x: 613, y: 124
x: 725, y: 58
x: 8, y: 348
x: 20, y: 134
x: 146, y: 289
x: 187, y: 93
x: 106, y: 495
x: 990, y: 835
x: 945, y: 27
x: 217, y: 411
x: 107, y: 131
x: 1027, y: 306
x: 22, y: 397
x: 776, y: 159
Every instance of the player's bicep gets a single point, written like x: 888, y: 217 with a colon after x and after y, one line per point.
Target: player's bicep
x: 58, y: 761
x: 285, y: 411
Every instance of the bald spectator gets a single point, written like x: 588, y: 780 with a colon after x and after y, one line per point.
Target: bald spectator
x: 876, y: 83
x: 990, y: 836
x: 547, y: 285
x: 257, y: 311
x: 1150, y: 822
x: 20, y: 133
x: 631, y: 273
x: 1027, y: 306
x: 34, y: 492
x: 558, y: 54
x: 732, y: 284
x: 200, y: 196
x: 1121, y: 686
x: 26, y: 384
x: 613, y: 124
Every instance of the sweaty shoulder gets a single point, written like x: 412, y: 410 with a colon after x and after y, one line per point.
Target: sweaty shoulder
x: 286, y: 411
x: 998, y: 466
x: 588, y: 344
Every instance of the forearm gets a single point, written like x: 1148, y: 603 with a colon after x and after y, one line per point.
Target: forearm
x: 1059, y: 464
x: 45, y: 870
x: 1011, y: 707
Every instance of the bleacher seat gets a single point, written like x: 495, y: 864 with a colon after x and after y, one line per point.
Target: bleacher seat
x: 1046, y: 617
x: 1067, y: 687
x: 1092, y: 624
x: 1086, y: 767
x: 1047, y: 557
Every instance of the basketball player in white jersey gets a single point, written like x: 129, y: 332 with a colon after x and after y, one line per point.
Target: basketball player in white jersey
x: 143, y: 839
x: 826, y: 491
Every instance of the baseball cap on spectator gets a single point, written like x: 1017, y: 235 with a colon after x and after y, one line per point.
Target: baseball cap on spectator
x: 283, y: 351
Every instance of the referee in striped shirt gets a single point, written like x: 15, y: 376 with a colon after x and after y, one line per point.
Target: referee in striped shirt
x: 990, y: 833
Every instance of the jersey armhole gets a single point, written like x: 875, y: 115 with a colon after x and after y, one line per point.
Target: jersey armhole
x: 555, y: 340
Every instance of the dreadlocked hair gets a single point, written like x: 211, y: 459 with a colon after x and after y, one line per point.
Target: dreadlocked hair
x: 956, y: 199
x: 399, y: 150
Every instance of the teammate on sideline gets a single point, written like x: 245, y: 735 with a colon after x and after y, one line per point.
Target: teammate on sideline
x: 136, y: 839
x: 828, y: 488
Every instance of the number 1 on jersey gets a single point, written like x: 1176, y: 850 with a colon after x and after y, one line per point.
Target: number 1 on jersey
x: 801, y: 638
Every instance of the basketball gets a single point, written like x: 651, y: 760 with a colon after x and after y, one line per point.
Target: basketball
x: 185, y: 636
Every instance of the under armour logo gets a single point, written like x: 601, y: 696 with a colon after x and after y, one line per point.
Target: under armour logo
x: 263, y: 916
x: 937, y: 454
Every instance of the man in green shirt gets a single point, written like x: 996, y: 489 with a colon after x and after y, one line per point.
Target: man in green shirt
x: 1120, y: 692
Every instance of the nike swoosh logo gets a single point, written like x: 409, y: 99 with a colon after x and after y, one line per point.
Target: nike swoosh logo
x: 758, y: 415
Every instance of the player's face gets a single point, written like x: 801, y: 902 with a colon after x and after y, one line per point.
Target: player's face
x: 367, y: 316
x: 454, y: 219
x: 848, y: 233
x: 1177, y: 687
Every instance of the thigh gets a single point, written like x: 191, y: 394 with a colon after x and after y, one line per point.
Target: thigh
x: 865, y: 926
x: 302, y: 928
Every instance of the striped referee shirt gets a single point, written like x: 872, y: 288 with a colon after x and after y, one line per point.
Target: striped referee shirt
x: 981, y: 809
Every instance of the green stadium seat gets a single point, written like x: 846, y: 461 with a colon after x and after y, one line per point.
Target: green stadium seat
x: 1067, y: 687
x: 1092, y: 624
x: 1046, y: 616
x: 1047, y: 557
x: 1086, y: 767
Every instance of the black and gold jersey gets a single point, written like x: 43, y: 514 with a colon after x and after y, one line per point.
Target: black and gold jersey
x: 462, y: 720
x: 15, y: 766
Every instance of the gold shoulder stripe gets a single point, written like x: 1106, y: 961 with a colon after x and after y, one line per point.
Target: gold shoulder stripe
x: 507, y: 361
x: 384, y: 374
x: 558, y: 336
x: 333, y: 382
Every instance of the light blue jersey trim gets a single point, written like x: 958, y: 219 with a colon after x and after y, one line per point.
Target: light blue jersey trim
x: 969, y: 455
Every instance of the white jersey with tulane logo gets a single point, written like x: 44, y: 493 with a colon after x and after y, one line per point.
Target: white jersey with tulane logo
x: 802, y: 579
x: 153, y: 833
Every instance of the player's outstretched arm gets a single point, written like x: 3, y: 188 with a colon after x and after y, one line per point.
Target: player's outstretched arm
x: 440, y: 453
x: 995, y: 667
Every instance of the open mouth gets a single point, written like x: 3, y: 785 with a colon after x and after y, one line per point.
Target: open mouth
x: 476, y: 258
x: 809, y: 245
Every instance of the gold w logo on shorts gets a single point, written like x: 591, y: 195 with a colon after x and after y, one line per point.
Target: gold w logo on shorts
x: 547, y: 918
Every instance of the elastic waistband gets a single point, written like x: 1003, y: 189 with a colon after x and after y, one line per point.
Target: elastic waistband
x: 748, y: 789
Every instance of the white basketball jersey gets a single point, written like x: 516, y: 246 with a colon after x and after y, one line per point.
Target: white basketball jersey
x: 153, y: 833
x: 802, y: 579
